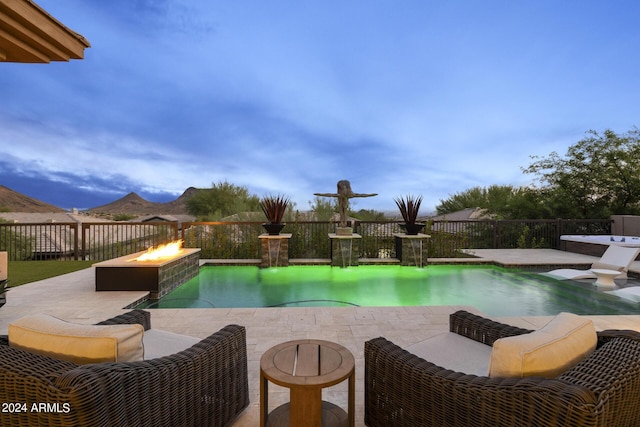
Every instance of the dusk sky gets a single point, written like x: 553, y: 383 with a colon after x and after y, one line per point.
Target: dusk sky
x: 412, y: 97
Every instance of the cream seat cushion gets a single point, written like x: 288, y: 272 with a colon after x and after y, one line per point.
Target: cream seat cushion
x: 452, y: 351
x: 49, y: 336
x: 559, y: 345
x: 159, y: 343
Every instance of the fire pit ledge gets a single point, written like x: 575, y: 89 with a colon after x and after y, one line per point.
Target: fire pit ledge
x: 159, y: 277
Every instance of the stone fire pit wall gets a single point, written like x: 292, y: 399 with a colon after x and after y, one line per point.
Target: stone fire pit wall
x: 157, y: 277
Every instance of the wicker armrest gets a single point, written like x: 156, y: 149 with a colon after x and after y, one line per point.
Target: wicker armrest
x: 206, y: 384
x: 612, y: 372
x: 27, y: 378
x: 403, y: 389
x: 481, y: 329
x: 610, y: 334
x: 15, y: 362
x: 132, y: 317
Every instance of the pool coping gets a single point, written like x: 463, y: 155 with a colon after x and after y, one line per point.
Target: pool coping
x: 536, y: 260
x: 394, y: 261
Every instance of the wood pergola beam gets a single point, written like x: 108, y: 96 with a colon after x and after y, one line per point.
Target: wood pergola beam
x: 29, y: 34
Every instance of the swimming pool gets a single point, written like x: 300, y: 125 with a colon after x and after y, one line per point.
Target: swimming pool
x: 494, y: 290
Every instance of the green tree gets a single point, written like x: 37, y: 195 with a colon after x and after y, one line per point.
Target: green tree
x: 499, y: 201
x: 222, y: 199
x: 595, y: 179
x: 368, y: 215
x: 474, y: 197
x: 324, y: 207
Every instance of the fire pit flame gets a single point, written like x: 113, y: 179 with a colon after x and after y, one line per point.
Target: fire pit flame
x: 168, y: 250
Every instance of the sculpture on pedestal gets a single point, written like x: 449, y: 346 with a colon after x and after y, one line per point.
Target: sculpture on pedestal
x: 344, y: 194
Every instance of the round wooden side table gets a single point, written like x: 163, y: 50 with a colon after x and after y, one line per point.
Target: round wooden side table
x: 306, y: 367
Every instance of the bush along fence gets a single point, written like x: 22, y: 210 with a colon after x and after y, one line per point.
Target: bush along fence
x: 239, y: 240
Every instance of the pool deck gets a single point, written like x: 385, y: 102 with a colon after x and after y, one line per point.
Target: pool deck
x: 73, y: 297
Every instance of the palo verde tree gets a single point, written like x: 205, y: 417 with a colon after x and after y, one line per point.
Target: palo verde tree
x: 323, y: 208
x: 368, y: 215
x: 596, y: 178
x: 499, y: 201
x: 222, y: 199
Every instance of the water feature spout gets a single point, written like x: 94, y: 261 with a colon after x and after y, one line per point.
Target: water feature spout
x: 417, y: 254
x: 274, y: 251
x: 346, y: 249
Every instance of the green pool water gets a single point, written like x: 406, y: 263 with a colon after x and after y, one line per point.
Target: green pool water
x: 495, y: 291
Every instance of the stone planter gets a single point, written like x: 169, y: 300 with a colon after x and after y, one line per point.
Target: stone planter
x: 273, y: 229
x: 413, y: 229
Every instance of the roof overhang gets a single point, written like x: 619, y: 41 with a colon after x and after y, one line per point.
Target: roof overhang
x: 29, y: 34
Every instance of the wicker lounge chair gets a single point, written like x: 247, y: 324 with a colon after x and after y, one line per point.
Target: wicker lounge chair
x: 402, y: 389
x: 204, y: 385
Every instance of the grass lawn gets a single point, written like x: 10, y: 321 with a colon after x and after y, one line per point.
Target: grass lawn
x: 21, y: 272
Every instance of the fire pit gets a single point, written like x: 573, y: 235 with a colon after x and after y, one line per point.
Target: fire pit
x: 158, y: 270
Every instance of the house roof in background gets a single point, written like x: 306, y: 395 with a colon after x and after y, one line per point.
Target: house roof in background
x: 30, y: 34
x: 47, y: 217
x: 463, y: 215
x: 169, y: 218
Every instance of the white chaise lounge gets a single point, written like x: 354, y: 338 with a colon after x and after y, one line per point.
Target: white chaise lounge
x: 614, y: 258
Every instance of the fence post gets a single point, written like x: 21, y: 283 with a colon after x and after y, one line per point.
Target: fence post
x: 84, y: 241
x: 185, y: 226
x: 75, y: 242
x: 175, y: 230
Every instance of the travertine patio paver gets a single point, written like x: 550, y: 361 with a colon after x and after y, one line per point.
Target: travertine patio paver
x: 73, y: 297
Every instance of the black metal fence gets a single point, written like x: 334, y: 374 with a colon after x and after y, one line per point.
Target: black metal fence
x: 52, y: 240
x: 309, y: 239
x: 107, y: 240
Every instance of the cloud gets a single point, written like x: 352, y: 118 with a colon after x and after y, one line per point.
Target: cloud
x: 424, y: 98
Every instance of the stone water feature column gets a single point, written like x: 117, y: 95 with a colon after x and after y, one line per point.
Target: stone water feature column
x: 411, y: 250
x: 345, y: 249
x: 275, y: 250
x: 345, y: 246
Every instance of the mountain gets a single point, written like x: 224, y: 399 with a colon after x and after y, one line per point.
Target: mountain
x: 133, y: 204
x: 12, y: 201
x: 179, y: 205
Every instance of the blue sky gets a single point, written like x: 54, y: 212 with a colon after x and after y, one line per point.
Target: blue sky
x: 414, y: 97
